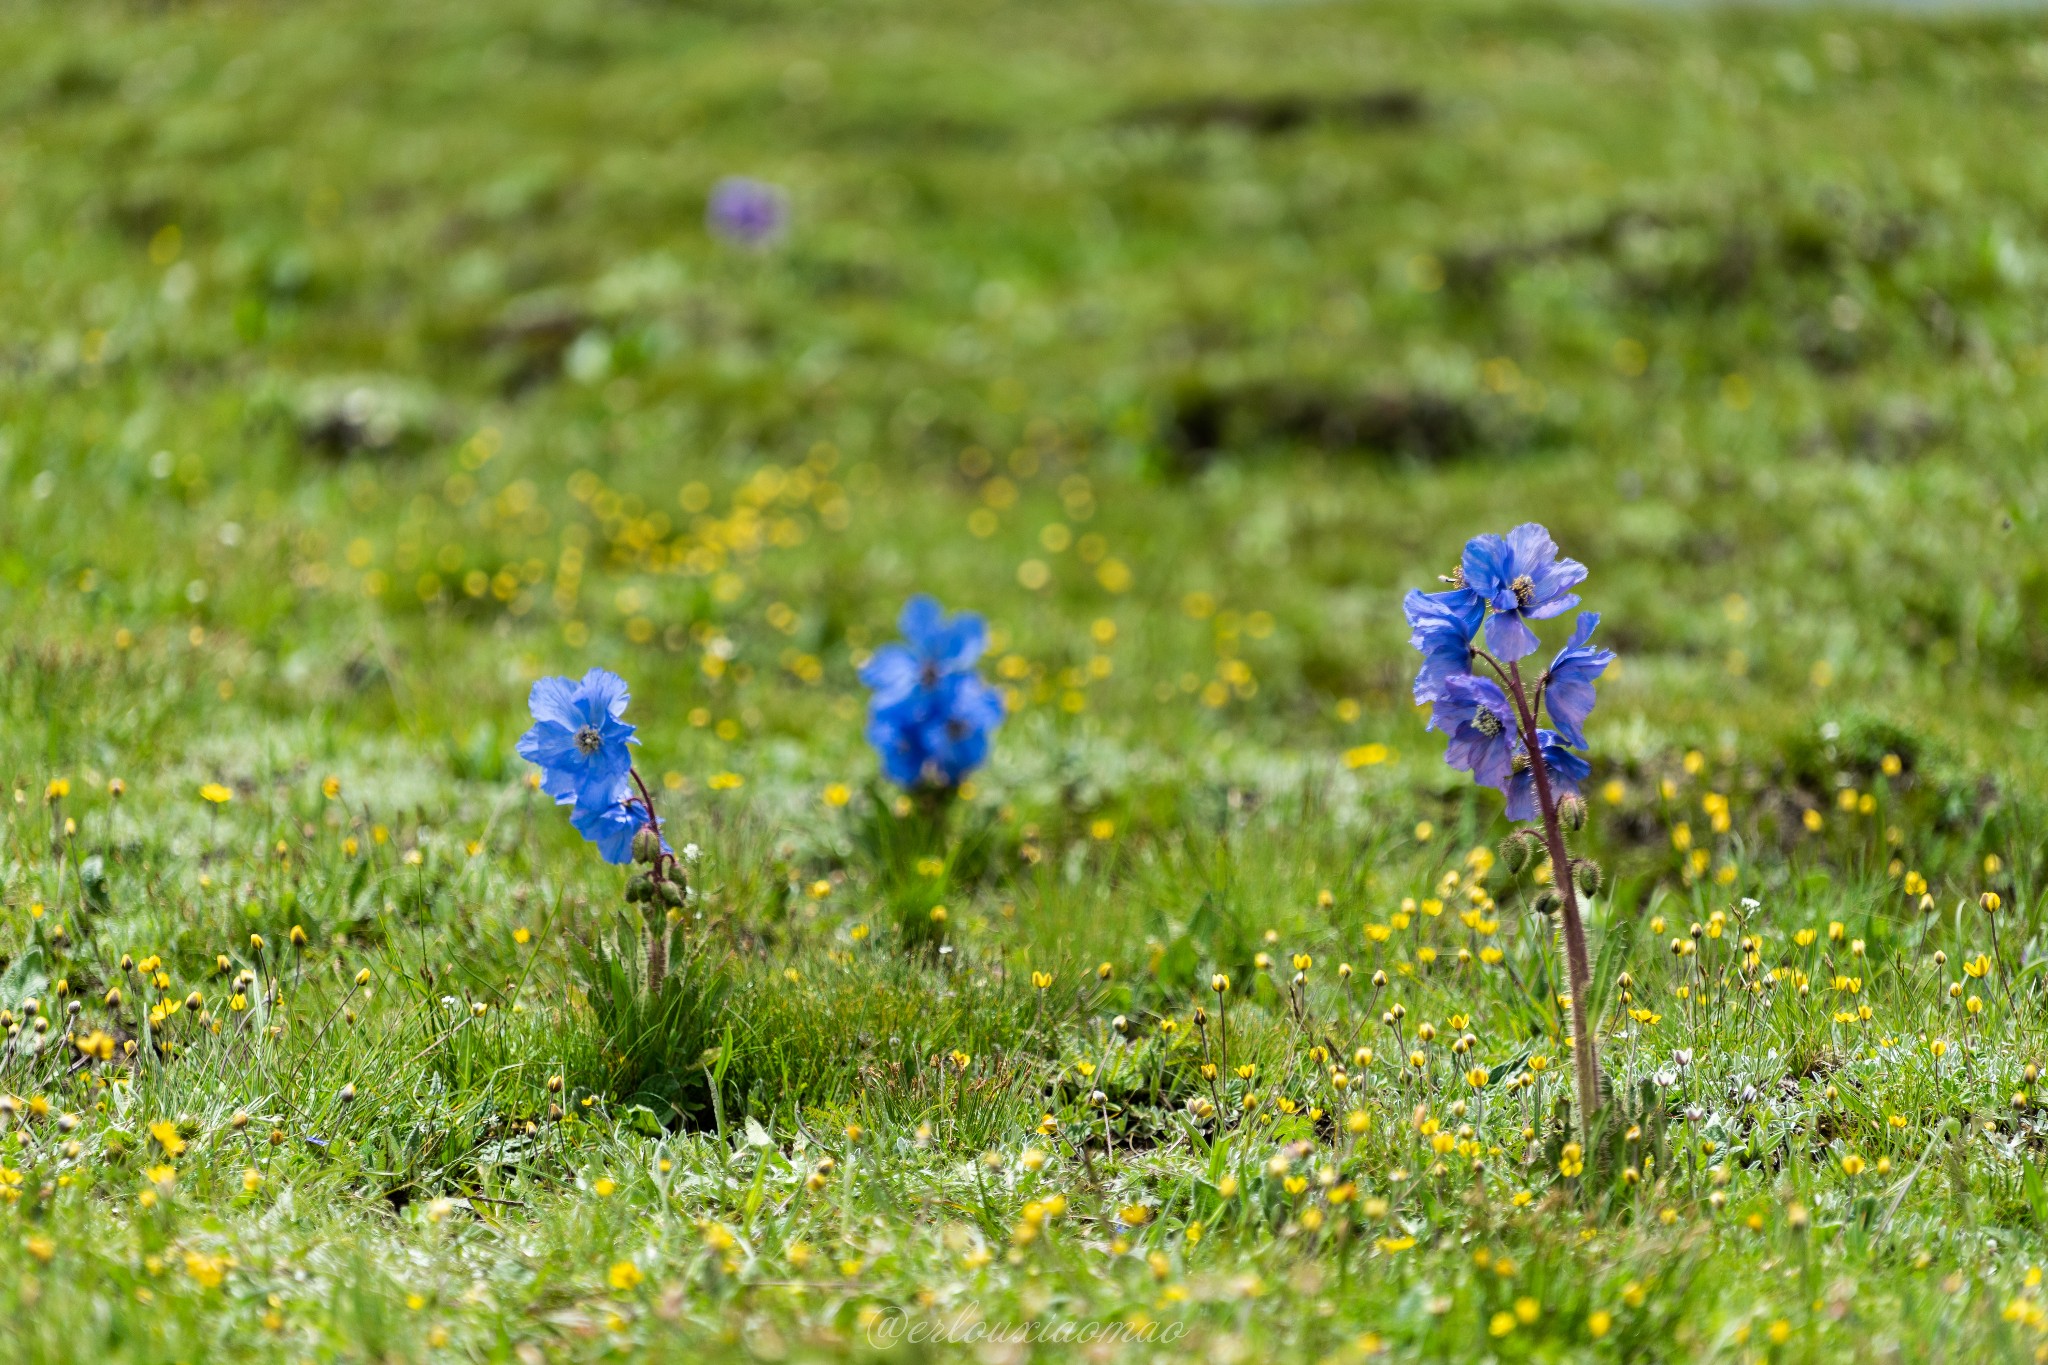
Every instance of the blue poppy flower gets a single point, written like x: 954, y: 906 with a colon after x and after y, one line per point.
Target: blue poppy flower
x: 577, y: 738
x: 1480, y: 720
x: 612, y: 825
x: 1566, y: 769
x: 1521, y: 578
x: 931, y: 714
x: 1442, y: 625
x: 1568, y: 684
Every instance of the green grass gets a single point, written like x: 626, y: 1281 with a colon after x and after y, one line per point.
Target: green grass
x: 360, y: 364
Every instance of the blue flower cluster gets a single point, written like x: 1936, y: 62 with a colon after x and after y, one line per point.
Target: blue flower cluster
x: 579, y: 741
x: 931, y: 714
x: 1500, y: 585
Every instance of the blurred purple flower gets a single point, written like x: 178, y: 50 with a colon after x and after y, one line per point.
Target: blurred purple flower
x: 747, y: 212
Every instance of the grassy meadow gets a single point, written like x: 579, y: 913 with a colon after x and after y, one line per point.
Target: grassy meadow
x: 362, y: 363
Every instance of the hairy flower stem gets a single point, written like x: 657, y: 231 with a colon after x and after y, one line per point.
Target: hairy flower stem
x: 657, y: 944
x: 657, y: 954
x: 1578, y: 969
x: 1223, y: 1032
x: 1998, y: 956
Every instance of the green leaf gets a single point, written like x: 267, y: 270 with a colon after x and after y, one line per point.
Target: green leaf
x: 1219, y: 1160
x: 1503, y: 1070
x: 24, y: 978
x: 1180, y: 963
x: 1614, y: 952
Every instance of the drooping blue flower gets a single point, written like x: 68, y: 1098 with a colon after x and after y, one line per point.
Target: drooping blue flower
x: 1565, y: 768
x: 931, y: 714
x: 612, y: 825
x: 745, y: 211
x: 578, y: 739
x: 1521, y: 578
x: 1568, y: 684
x: 1442, y: 626
x: 939, y: 743
x: 1480, y: 720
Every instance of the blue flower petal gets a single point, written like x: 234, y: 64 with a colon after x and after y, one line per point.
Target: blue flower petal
x: 1553, y: 580
x: 1558, y: 606
x: 1509, y: 637
x: 554, y: 700
x: 891, y: 673
x: 1568, y: 683
x: 1485, y: 565
x: 603, y: 693
x: 961, y: 643
x: 1565, y: 769
x: 1443, y: 624
x: 548, y: 745
x: 611, y: 826
x: 921, y: 620
x: 1529, y: 548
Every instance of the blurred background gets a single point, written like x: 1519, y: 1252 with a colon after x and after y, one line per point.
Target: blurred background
x: 360, y: 362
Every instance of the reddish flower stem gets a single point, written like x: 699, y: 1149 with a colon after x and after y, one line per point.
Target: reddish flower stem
x: 661, y: 860
x: 657, y: 946
x: 1578, y: 968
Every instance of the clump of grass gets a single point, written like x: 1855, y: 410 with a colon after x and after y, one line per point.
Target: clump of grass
x: 923, y: 848
x: 658, y: 1044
